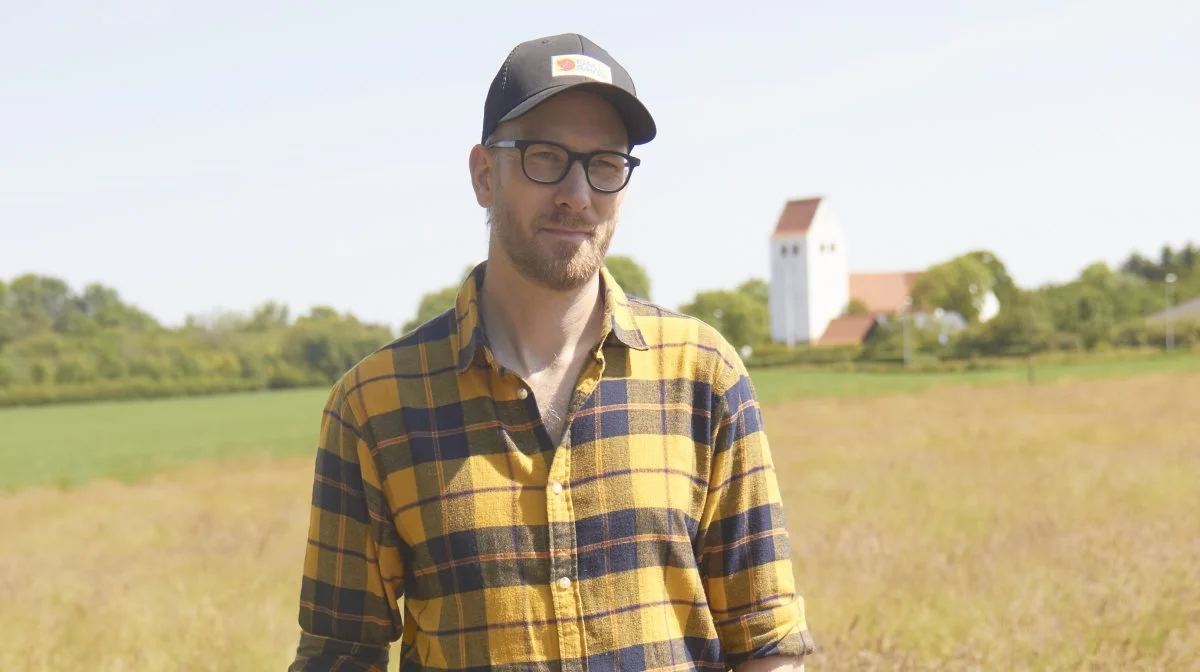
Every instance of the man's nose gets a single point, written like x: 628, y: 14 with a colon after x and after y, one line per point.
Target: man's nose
x: 574, y: 192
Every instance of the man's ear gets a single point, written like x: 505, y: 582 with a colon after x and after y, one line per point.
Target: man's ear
x: 481, y: 175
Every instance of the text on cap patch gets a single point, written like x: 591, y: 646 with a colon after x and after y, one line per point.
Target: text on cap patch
x: 578, y: 65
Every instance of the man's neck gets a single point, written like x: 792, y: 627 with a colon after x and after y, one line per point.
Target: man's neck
x: 531, y: 328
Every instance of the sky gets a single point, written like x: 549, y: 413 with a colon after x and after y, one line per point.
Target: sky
x: 207, y: 156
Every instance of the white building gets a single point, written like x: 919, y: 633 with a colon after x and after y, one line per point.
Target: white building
x: 811, y: 286
x: 810, y: 282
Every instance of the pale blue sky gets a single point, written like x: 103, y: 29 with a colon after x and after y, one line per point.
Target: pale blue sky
x: 214, y: 154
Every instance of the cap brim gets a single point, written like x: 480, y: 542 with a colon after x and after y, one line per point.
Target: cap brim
x: 638, y: 122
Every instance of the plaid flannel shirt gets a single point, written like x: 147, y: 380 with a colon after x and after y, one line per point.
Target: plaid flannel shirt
x: 651, y: 538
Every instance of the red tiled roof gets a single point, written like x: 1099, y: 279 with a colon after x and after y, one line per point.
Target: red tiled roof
x: 882, y: 292
x: 797, y: 216
x: 848, y: 330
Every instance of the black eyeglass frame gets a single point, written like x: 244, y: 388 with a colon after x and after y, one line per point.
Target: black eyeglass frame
x: 583, y: 158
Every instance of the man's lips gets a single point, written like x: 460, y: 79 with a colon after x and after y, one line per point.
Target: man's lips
x: 574, y: 234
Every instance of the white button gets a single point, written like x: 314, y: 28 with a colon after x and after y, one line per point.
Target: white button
x: 557, y: 488
x: 522, y: 393
x: 564, y: 583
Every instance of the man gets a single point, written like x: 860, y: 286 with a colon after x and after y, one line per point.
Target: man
x: 550, y: 475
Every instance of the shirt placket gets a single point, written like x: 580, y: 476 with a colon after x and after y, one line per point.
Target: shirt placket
x: 560, y: 512
x: 563, y: 567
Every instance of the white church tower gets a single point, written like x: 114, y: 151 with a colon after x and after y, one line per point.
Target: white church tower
x: 810, y: 281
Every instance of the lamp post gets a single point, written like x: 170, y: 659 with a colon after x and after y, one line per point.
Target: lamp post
x: 1170, y: 321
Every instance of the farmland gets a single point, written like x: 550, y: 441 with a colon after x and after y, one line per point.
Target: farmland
x: 995, y: 525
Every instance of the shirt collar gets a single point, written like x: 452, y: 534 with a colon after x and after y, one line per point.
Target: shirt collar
x: 619, y: 324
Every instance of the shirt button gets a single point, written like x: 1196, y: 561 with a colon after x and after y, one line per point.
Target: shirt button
x: 557, y: 488
x: 564, y: 583
x: 523, y: 393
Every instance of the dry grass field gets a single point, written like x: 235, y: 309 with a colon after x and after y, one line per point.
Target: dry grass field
x: 1054, y: 527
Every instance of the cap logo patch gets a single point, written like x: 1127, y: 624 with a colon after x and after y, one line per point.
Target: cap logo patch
x: 578, y: 65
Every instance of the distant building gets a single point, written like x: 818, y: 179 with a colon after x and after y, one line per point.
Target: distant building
x: 849, y: 330
x: 1187, y: 310
x: 809, y: 280
x: 811, y: 286
x: 882, y: 292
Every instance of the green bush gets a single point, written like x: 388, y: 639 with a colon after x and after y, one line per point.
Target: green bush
x: 1152, y: 333
x: 779, y: 354
x: 133, y: 388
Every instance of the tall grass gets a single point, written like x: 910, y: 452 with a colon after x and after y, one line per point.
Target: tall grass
x: 195, y: 571
x: 1051, y: 527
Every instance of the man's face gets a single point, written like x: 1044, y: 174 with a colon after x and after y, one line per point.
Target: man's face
x: 556, y: 235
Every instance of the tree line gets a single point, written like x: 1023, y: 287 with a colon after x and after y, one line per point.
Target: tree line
x: 60, y: 344
x: 57, y: 344
x: 1104, y: 307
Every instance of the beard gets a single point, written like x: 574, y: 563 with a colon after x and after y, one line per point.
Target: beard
x: 559, y: 265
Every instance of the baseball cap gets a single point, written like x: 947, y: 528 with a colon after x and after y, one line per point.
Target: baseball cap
x: 537, y: 69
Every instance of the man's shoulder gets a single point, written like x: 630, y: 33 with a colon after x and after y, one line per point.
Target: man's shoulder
x: 687, y: 335
x: 422, y: 352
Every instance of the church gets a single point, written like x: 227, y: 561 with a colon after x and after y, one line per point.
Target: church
x: 811, y: 286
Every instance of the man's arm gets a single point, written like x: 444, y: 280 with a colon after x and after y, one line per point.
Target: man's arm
x: 746, y: 549
x: 348, y: 609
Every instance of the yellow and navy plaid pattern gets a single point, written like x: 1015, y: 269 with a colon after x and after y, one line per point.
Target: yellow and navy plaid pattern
x: 651, y: 538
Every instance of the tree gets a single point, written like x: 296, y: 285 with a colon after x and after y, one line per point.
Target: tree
x: 436, y: 302
x: 103, y: 306
x: 632, y: 278
x: 327, y: 343
x: 268, y: 316
x: 959, y: 285
x: 1181, y: 262
x: 1187, y: 258
x: 8, y: 315
x: 1093, y: 306
x: 856, y: 307
x: 1140, y: 266
x: 757, y: 289
x: 1002, y: 283
x: 1169, y: 260
x: 41, y: 304
x: 1023, y: 326
x: 739, y: 315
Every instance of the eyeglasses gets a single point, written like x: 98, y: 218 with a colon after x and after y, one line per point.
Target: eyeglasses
x: 548, y: 162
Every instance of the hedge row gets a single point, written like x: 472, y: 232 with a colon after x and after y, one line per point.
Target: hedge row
x: 135, y: 388
x: 844, y: 359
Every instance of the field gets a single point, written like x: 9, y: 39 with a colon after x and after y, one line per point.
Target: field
x: 995, y: 525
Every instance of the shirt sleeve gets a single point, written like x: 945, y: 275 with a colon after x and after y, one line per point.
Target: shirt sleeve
x: 352, y: 582
x: 746, y: 553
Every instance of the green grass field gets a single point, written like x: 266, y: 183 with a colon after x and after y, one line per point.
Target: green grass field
x: 67, y: 445
x: 784, y: 384
x: 70, y: 444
